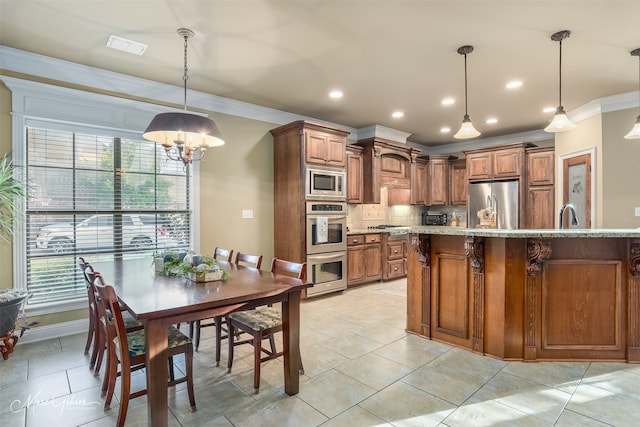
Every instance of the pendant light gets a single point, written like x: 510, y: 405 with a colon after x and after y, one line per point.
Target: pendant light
x: 560, y: 122
x: 635, y: 132
x: 466, y: 129
x: 184, y: 136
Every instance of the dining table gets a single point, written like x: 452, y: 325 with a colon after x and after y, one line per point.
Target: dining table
x: 160, y: 301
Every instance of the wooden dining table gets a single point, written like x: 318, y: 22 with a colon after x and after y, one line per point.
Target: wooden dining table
x: 159, y: 301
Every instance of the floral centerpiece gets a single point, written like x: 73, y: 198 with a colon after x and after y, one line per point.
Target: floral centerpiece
x: 193, y: 266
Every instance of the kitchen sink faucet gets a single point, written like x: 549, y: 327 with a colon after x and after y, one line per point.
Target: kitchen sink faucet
x: 574, y: 217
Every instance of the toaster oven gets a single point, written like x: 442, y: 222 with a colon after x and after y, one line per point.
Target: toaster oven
x: 434, y: 219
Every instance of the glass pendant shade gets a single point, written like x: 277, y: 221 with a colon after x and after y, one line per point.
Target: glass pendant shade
x: 635, y: 132
x: 560, y: 122
x: 466, y: 129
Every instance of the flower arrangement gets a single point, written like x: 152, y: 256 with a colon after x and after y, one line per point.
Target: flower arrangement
x: 196, y: 267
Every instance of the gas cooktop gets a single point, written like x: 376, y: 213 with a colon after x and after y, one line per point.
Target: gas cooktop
x: 383, y: 226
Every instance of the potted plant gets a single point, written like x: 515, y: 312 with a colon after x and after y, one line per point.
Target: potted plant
x: 11, y: 301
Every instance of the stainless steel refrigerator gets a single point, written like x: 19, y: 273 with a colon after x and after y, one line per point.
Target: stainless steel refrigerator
x: 500, y: 196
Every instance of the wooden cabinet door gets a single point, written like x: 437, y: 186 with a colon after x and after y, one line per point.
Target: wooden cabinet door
x: 395, y: 249
x: 540, y: 207
x: 355, y: 265
x: 335, y: 151
x: 354, y: 177
x: 323, y: 149
x: 372, y: 262
x: 438, y: 182
x: 540, y: 165
x: 508, y: 163
x: 479, y: 166
x: 458, y: 185
x: 419, y: 184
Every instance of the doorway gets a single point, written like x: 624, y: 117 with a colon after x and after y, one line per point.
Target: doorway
x: 577, y: 188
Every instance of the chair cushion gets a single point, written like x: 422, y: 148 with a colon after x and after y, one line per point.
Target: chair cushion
x: 130, y: 322
x: 135, y: 340
x: 259, y: 319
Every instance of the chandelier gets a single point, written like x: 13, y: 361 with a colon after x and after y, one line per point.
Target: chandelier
x: 185, y: 136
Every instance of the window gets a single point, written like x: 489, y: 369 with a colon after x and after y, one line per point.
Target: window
x: 101, y: 197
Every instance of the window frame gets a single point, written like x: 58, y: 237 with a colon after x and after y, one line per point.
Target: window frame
x: 37, y: 104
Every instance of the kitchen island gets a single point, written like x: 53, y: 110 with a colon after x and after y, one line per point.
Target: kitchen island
x: 532, y: 295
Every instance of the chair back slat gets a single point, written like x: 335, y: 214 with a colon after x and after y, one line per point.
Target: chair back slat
x: 109, y: 310
x: 223, y: 254
x: 254, y: 261
x: 289, y: 268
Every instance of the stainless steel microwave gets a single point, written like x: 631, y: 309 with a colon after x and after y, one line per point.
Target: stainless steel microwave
x: 326, y: 184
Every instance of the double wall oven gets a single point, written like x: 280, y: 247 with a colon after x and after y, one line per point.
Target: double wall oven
x: 326, y: 236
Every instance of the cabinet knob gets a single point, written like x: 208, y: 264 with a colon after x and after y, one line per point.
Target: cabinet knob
x: 355, y: 240
x: 395, y: 269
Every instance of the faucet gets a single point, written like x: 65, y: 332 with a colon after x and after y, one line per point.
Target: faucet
x: 574, y: 218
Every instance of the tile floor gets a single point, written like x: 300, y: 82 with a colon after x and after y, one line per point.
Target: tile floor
x: 361, y: 369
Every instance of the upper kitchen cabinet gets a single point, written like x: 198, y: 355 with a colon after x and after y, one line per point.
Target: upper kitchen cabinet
x: 354, y: 174
x: 325, y: 148
x: 419, y: 182
x: 438, y: 178
x: 458, y: 182
x: 505, y: 162
x: 387, y: 164
x: 540, y: 188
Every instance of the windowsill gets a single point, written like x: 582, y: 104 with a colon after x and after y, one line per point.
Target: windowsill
x: 55, y: 307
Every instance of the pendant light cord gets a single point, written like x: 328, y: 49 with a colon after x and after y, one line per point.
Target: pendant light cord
x: 560, y: 76
x: 465, y: 86
x: 185, y: 77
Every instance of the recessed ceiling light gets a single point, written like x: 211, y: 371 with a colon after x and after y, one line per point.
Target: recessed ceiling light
x: 397, y: 114
x: 514, y: 84
x: 448, y: 101
x: 445, y: 130
x: 336, y: 94
x: 549, y: 109
x: 491, y: 121
x: 126, y: 45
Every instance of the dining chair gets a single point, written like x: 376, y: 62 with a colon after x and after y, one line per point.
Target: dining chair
x: 223, y: 254
x: 262, y: 323
x: 253, y: 261
x: 95, y: 327
x: 128, y: 350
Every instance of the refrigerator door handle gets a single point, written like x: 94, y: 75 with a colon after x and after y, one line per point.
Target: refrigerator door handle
x: 495, y: 209
x: 489, y: 204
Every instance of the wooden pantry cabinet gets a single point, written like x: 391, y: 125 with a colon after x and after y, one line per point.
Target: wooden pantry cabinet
x: 296, y: 145
x: 458, y: 184
x: 363, y: 258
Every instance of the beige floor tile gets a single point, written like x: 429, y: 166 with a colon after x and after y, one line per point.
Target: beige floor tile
x: 54, y: 362
x: 383, y: 332
x: 27, y: 350
x: 605, y: 406
x: 74, y: 342
x: 573, y: 419
x: 333, y: 392
x: 413, y: 351
x: 13, y: 370
x: 356, y: 417
x: 70, y: 410
x: 526, y: 396
x: 622, y: 381
x: 564, y: 376
x: 277, y: 410
x: 82, y: 378
x: 352, y: 345
x: 409, y: 407
x: 470, y: 363
x: 487, y: 413
x: 450, y: 384
x: 373, y: 370
x: 33, y: 391
x: 317, y: 359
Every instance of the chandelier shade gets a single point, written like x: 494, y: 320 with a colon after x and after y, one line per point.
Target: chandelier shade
x: 560, y: 122
x: 635, y: 131
x: 466, y: 130
x: 185, y: 136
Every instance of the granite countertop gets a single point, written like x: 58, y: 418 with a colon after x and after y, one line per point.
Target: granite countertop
x: 522, y: 233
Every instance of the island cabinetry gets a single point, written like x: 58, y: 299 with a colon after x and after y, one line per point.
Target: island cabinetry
x: 527, y: 298
x: 496, y: 163
x: 354, y: 174
x: 363, y: 258
x: 292, y: 151
x: 387, y: 164
x: 540, y: 188
x: 458, y: 185
x: 394, y: 256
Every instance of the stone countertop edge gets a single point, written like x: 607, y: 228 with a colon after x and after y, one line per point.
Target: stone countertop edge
x: 521, y: 233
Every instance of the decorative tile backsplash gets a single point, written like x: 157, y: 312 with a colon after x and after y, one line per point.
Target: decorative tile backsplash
x: 363, y: 216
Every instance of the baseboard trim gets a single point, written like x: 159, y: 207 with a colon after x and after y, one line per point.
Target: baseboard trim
x: 57, y: 330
